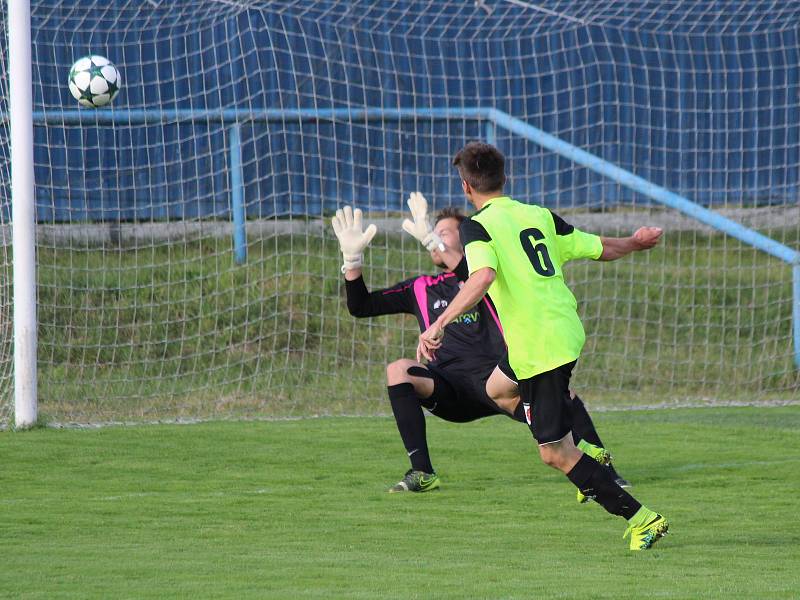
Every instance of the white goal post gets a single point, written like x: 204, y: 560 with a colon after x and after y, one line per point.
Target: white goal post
x: 23, y: 220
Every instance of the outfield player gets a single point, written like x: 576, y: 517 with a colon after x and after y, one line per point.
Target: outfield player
x: 516, y: 252
x: 451, y: 387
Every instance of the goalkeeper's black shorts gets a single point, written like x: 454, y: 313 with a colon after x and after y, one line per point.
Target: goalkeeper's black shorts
x: 459, y: 397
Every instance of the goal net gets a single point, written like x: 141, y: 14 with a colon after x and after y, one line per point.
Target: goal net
x: 157, y: 303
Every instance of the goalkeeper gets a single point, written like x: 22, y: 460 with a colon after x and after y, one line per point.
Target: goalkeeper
x: 453, y: 386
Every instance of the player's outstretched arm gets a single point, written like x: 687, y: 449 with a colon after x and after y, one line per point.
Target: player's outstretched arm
x: 347, y: 225
x: 644, y: 238
x: 361, y: 303
x: 470, y: 294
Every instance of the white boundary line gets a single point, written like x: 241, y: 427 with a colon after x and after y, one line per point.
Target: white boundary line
x: 593, y: 409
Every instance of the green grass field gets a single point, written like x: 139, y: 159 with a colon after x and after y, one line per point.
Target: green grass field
x: 297, y: 509
x: 177, y: 330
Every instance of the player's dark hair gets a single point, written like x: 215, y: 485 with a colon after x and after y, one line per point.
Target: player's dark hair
x: 450, y: 212
x: 482, y: 166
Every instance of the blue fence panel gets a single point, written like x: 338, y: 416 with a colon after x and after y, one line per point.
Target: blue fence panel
x: 711, y: 117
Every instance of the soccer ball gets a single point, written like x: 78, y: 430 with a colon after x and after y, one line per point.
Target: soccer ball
x: 94, y: 81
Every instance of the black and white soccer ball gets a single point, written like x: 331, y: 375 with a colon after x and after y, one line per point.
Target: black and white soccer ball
x: 94, y: 81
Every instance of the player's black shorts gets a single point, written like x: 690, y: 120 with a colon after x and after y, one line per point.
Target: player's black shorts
x: 506, y: 369
x: 546, y: 399
x: 459, y: 397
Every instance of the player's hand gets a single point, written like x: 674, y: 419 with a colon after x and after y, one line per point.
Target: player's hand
x: 352, y: 240
x: 420, y: 228
x: 646, y: 237
x: 429, y: 341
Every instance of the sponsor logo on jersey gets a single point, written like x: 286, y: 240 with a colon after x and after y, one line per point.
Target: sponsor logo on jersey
x: 468, y: 318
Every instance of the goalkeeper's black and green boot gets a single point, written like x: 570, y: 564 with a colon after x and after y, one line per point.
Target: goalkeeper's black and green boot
x: 416, y: 481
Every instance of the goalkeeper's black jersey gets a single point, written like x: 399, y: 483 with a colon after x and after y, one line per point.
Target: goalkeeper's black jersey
x: 473, y: 343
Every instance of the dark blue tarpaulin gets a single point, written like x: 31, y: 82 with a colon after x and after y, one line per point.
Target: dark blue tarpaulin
x: 711, y: 116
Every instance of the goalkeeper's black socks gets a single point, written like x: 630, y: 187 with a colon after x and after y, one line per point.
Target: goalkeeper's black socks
x: 596, y: 481
x: 582, y: 425
x: 407, y: 409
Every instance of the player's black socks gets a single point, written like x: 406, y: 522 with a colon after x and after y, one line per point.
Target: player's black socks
x: 594, y: 480
x: 407, y: 409
x: 582, y: 425
x: 583, y: 428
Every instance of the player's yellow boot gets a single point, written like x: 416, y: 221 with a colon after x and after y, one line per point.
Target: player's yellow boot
x: 645, y: 528
x: 598, y: 453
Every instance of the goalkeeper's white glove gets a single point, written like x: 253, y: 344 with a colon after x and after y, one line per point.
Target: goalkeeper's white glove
x: 352, y: 240
x: 419, y: 227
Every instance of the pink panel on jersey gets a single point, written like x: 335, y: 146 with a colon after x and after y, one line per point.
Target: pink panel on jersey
x: 421, y: 293
x: 494, y: 316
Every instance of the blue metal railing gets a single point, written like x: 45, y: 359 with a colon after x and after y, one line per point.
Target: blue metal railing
x: 237, y: 194
x: 492, y: 119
